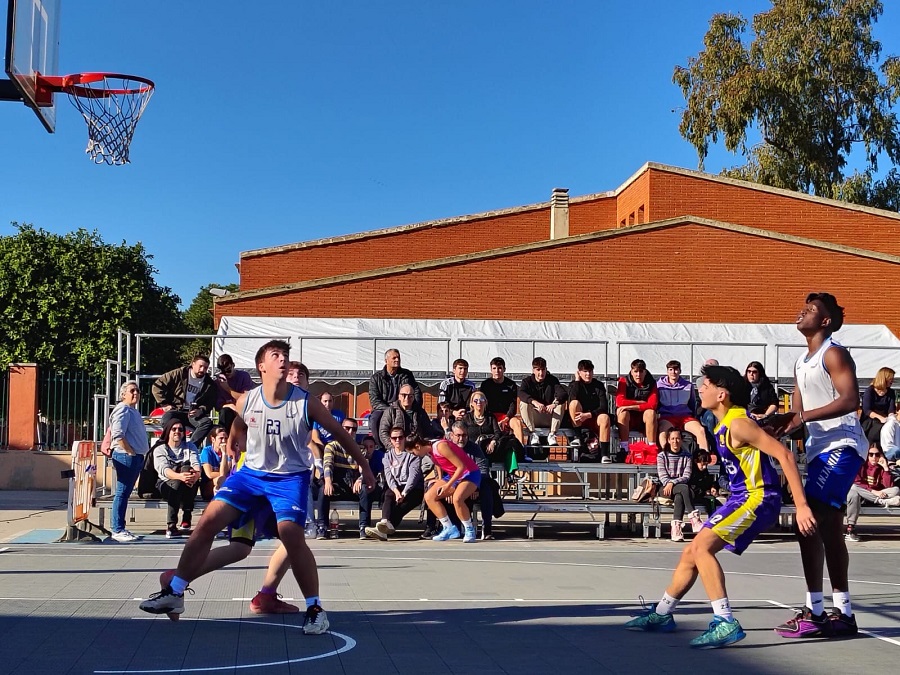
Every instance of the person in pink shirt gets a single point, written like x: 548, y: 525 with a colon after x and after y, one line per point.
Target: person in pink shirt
x: 460, y: 478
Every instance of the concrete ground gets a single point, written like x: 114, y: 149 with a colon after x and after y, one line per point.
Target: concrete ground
x: 409, y: 606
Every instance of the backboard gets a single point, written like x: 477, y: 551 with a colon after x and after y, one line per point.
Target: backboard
x: 32, y: 47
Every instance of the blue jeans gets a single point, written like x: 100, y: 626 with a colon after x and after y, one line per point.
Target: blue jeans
x: 128, y: 468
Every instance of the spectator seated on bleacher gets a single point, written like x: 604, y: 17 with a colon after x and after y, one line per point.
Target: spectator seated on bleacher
x: 384, y: 387
x: 541, y: 399
x: 488, y: 491
x: 483, y: 428
x: 872, y: 484
x: 763, y: 396
x: 704, y: 485
x: 343, y: 481
x: 406, y: 413
x: 211, y: 461
x: 441, y: 423
x: 404, y: 487
x: 177, y: 464
x: 503, y: 399
x: 457, y: 389
x: 890, y: 439
x: 231, y: 383
x: 188, y: 394
x: 677, y: 403
x: 589, y: 407
x: 636, y: 403
x: 319, y: 435
x: 674, y: 466
x: 878, y: 402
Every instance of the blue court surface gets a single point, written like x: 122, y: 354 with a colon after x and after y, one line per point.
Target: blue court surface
x: 408, y: 606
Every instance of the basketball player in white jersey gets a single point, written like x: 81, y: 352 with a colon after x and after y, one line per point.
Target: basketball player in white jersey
x: 273, y: 424
x: 826, y: 397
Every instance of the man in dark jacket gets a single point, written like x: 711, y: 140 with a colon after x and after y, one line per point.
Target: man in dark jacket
x: 542, y: 398
x: 189, y: 395
x: 503, y: 399
x: 457, y: 389
x: 588, y: 406
x: 384, y: 387
x: 405, y: 413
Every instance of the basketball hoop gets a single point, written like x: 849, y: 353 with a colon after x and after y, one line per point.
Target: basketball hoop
x: 110, y: 103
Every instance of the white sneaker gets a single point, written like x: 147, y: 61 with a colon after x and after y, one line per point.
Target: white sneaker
x: 123, y: 537
x: 165, y: 602
x: 552, y: 440
x: 316, y: 621
x: 890, y: 501
x: 470, y: 536
x: 677, y: 532
x: 696, y: 521
x: 375, y: 533
x: 385, y: 526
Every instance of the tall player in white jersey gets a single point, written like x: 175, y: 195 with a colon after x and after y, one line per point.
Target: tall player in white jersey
x: 273, y: 425
x: 826, y: 397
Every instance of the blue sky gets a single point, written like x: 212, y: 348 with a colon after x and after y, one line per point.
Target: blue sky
x: 283, y: 123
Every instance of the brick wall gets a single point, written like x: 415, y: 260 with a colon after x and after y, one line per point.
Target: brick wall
x: 686, y: 273
x: 315, y: 262
x: 593, y: 215
x: 674, y: 195
x: 633, y: 204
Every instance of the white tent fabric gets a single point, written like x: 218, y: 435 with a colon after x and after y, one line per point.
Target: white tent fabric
x: 353, y: 348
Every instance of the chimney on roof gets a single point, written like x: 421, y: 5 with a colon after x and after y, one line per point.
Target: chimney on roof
x: 559, y: 213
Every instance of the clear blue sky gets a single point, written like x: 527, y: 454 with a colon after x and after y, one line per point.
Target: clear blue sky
x: 280, y: 123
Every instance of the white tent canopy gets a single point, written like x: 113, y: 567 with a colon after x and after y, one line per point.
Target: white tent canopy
x: 354, y: 348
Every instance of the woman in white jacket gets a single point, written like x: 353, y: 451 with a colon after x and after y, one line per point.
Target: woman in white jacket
x: 177, y: 462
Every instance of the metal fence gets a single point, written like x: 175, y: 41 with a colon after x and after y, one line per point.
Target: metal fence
x: 65, y: 408
x: 4, y: 408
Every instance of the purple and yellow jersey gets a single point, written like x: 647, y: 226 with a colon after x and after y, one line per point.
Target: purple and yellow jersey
x: 749, y: 469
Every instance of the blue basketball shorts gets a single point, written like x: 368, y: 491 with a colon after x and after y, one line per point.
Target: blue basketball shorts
x: 286, y: 493
x: 472, y: 477
x: 830, y: 474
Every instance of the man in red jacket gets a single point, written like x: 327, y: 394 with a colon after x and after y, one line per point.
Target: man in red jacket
x: 636, y: 403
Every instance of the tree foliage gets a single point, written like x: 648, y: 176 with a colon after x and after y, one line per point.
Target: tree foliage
x: 63, y: 297
x: 198, y: 319
x: 809, y: 80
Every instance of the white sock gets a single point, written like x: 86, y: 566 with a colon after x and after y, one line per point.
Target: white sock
x: 841, y: 601
x: 445, y: 521
x: 666, y: 605
x: 722, y: 607
x: 816, y: 602
x: 467, y: 524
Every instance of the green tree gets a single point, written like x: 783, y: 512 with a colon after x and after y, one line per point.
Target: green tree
x: 810, y: 82
x: 63, y: 297
x: 198, y: 319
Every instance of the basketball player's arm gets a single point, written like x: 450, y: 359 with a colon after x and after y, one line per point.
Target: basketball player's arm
x: 746, y: 431
x: 237, y: 439
x: 319, y: 413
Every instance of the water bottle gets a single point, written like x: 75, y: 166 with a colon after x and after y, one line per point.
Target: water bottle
x: 334, y: 524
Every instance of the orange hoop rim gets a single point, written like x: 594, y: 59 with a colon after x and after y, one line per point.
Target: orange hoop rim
x: 74, y: 85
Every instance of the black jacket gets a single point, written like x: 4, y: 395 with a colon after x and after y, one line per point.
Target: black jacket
x: 384, y: 388
x: 591, y: 395
x: 482, y: 433
x: 545, y: 391
x: 502, y: 397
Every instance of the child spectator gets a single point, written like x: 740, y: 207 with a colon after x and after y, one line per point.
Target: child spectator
x: 704, y: 486
x: 873, y: 483
x: 674, y: 467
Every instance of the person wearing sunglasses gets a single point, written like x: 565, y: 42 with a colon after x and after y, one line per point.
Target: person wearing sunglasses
x: 177, y: 462
x: 405, y: 412
x: 873, y: 484
x: 231, y: 384
x: 404, y: 486
x: 763, y: 397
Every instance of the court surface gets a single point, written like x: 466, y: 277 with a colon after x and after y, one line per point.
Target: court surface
x: 509, y: 606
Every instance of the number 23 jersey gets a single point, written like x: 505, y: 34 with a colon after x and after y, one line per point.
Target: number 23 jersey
x: 277, y: 435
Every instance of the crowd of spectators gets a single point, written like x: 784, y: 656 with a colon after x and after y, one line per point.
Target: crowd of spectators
x: 476, y: 426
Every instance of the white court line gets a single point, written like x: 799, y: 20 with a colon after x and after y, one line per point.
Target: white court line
x: 540, y: 562
x: 349, y: 643
x: 4, y: 549
x: 861, y: 631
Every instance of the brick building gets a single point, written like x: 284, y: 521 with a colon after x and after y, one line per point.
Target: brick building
x: 669, y: 244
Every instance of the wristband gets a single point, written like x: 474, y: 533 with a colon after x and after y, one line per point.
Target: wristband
x: 802, y: 421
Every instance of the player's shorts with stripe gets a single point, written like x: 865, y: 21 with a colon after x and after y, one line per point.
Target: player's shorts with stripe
x: 256, y: 524
x: 743, y: 517
x: 830, y: 474
x: 286, y: 493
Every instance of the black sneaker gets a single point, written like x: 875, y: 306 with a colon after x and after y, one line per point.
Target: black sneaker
x: 429, y: 533
x: 316, y: 621
x: 843, y: 625
x: 805, y: 624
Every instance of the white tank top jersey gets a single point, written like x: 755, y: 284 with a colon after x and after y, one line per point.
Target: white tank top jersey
x: 817, y: 390
x: 277, y: 435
